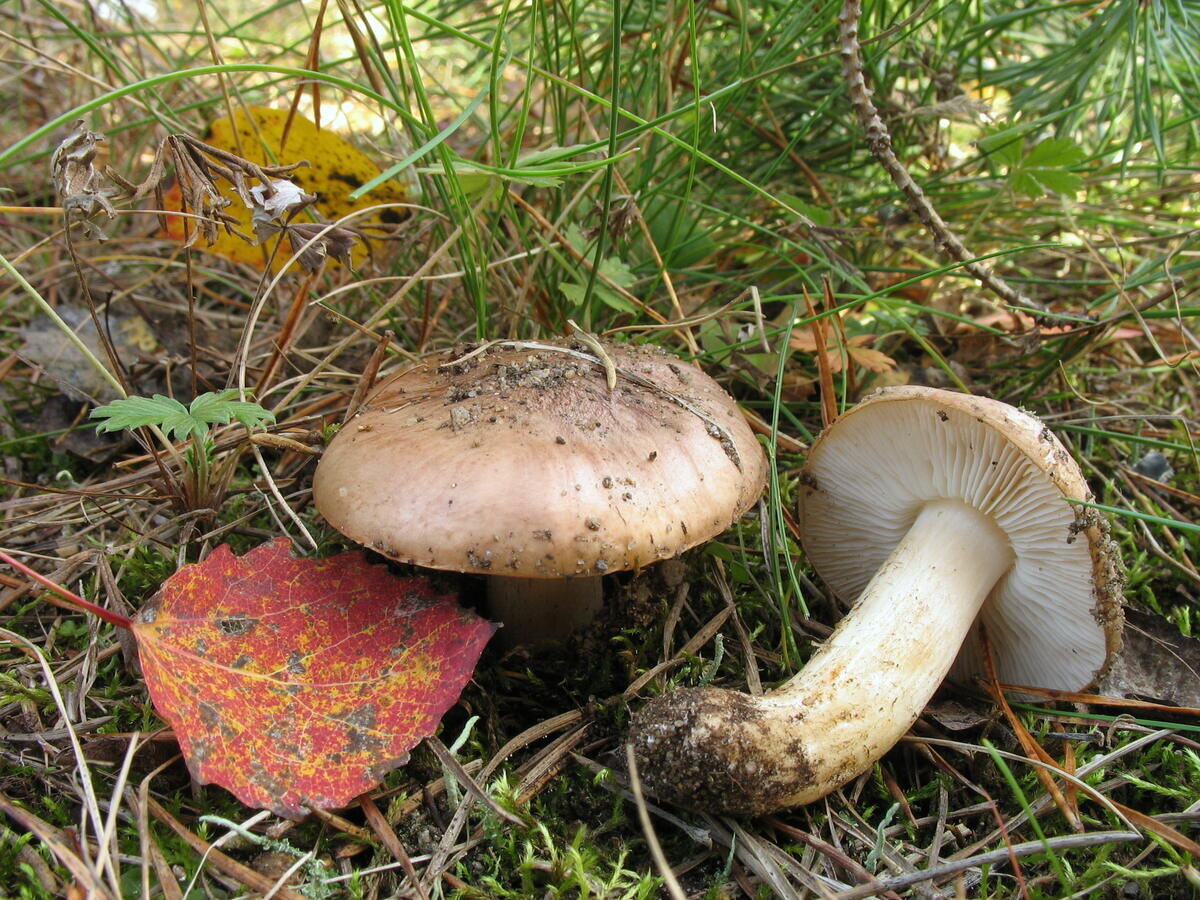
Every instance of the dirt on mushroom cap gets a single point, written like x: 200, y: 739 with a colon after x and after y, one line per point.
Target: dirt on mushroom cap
x: 518, y: 460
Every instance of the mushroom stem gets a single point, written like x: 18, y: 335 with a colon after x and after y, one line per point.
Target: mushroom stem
x: 725, y: 751
x: 543, y: 609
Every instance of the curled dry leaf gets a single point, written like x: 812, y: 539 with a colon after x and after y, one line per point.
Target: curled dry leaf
x: 274, y: 212
x: 315, y: 242
x: 335, y: 169
x: 277, y: 200
x: 298, y: 683
x: 855, y: 349
x: 209, y: 178
x: 77, y: 182
x: 196, y: 191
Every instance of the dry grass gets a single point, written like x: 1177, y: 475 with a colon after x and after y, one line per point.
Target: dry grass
x: 717, y: 236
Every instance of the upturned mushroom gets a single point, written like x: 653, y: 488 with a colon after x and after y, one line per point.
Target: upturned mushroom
x: 543, y: 466
x: 941, y: 516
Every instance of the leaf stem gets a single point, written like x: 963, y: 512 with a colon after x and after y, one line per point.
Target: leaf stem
x: 75, y: 600
x: 201, y: 452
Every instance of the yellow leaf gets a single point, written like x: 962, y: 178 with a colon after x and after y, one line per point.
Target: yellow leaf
x: 335, y: 169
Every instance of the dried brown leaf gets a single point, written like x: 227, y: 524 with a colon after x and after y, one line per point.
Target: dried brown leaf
x: 77, y: 182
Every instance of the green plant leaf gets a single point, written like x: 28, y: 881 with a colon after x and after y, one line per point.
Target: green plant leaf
x: 681, y: 239
x: 1024, y: 183
x: 1058, y: 182
x: 220, y: 407
x: 1005, y: 145
x: 1043, y: 169
x: 611, y: 268
x: 177, y: 420
x: 575, y: 293
x: 1006, y: 152
x: 1054, y: 153
x: 137, y: 412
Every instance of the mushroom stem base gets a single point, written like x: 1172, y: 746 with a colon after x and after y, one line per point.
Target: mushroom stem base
x: 543, y: 609
x: 725, y: 751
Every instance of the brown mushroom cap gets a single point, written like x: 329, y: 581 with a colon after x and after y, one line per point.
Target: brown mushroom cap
x: 519, y: 461
x: 1054, y: 620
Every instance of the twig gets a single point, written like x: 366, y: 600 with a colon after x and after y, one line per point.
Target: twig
x: 102, y: 332
x: 1075, y: 780
x: 753, y: 680
x: 656, y: 851
x: 992, y: 857
x: 279, y: 498
x: 817, y: 325
x: 1099, y: 700
x: 446, y: 758
x: 698, y: 640
x: 225, y: 863
x: 367, y: 381
x: 91, y: 805
x: 1032, y: 748
x: 151, y: 853
x: 383, y: 828
x: 546, y: 765
x: 615, y: 783
x: 768, y: 862
x: 879, y: 142
x: 593, y: 343
x: 287, y: 334
x: 531, y: 735
x: 57, y: 843
x: 287, y: 875
x: 108, y: 837
x: 836, y: 855
x: 75, y: 603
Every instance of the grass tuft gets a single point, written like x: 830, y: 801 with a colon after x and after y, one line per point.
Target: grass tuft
x: 694, y: 176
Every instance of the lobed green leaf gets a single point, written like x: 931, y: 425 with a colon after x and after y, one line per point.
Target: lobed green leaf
x: 177, y: 420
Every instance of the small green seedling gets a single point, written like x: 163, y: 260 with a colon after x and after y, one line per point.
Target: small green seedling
x: 177, y: 420
x: 174, y: 421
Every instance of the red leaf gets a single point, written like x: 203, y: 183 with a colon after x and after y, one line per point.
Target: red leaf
x: 297, y: 683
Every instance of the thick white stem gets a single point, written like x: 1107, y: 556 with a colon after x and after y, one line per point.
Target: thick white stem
x: 543, y: 609
x: 869, y: 682
x: 857, y: 696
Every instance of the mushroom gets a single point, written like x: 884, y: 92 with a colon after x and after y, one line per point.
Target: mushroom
x: 946, y: 516
x: 543, y: 466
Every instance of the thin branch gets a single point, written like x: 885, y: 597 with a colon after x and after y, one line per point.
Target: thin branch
x: 879, y: 142
x: 670, y: 882
x: 991, y: 858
